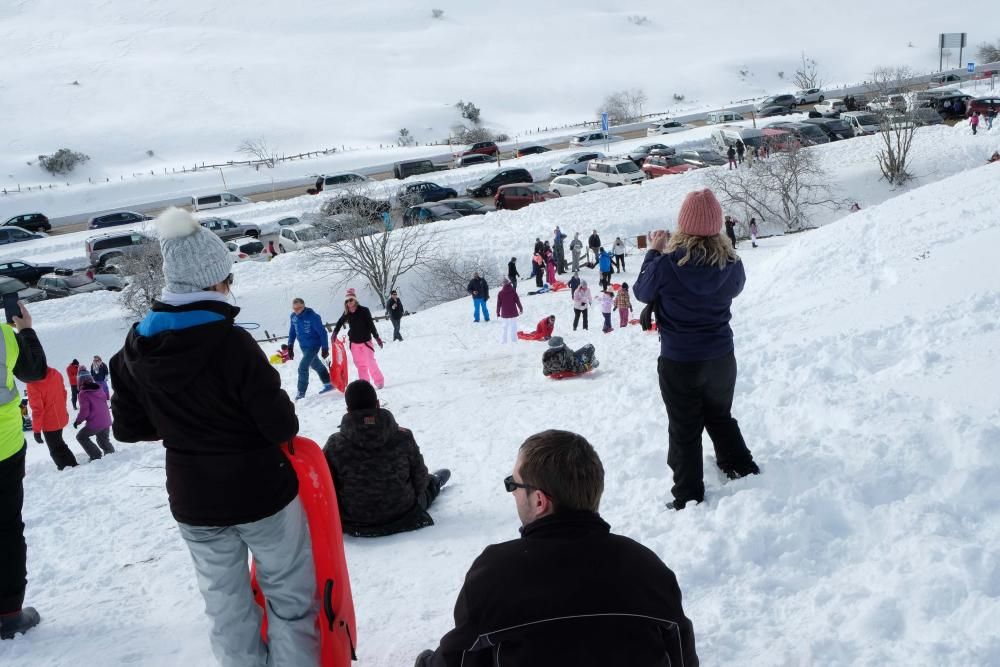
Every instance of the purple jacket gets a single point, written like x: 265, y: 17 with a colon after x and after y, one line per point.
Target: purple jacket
x: 94, y: 409
x: 508, y: 303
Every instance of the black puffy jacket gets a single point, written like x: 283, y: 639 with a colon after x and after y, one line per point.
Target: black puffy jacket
x: 360, y: 325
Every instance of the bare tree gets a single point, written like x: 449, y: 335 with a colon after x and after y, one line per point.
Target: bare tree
x: 624, y: 105
x: 785, y: 188
x: 807, y: 74
x: 446, y: 278
x: 405, y: 138
x: 989, y: 53
x: 895, y: 129
x: 144, y: 270
x: 258, y: 149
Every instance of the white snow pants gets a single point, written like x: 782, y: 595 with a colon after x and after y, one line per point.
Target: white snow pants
x: 509, y: 328
x: 281, y: 547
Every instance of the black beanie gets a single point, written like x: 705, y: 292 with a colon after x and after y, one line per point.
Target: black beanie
x: 360, y: 395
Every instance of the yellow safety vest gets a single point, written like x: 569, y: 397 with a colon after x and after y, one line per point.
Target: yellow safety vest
x: 11, y: 433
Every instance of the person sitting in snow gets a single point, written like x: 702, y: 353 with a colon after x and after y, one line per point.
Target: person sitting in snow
x: 524, y: 597
x: 382, y: 483
x: 546, y: 327
x: 560, y: 359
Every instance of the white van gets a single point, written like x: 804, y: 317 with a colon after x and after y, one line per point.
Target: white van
x: 860, y: 122
x: 615, y: 171
x: 716, y: 117
x: 591, y: 138
x: 728, y: 135
x: 217, y: 201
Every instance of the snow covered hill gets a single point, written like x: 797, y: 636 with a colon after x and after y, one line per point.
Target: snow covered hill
x: 141, y: 86
x: 868, y: 356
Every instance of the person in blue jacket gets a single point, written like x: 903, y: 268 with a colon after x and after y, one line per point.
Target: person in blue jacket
x: 691, y: 280
x: 604, y: 264
x: 307, y: 327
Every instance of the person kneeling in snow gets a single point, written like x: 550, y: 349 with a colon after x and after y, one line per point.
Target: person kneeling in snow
x: 523, y: 598
x: 382, y: 483
x: 559, y: 359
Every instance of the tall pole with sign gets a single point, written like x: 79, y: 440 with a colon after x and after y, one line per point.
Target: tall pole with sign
x: 604, y: 129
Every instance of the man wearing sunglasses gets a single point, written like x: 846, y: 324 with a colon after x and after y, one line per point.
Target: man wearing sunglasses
x: 569, y: 592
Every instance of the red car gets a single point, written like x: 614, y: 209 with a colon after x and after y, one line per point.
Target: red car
x: 519, y: 195
x: 482, y: 148
x: 985, y: 104
x: 665, y: 165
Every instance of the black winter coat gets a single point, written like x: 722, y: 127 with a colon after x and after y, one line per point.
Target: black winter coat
x: 594, y: 241
x: 569, y: 593
x: 378, y: 473
x: 210, y: 394
x: 512, y: 271
x: 395, y: 308
x: 478, y: 285
x: 361, y: 326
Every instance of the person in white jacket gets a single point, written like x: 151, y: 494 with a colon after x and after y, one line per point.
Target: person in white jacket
x: 581, y: 304
x: 619, y: 254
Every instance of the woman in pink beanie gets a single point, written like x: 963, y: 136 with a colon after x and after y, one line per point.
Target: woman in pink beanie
x: 692, y: 280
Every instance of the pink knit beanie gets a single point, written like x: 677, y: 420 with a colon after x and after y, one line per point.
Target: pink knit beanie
x: 701, y: 214
x: 350, y: 294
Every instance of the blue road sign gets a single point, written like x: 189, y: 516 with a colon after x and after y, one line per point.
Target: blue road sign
x: 604, y: 119
x: 971, y: 67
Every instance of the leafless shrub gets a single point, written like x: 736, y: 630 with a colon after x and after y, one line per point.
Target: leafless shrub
x: 807, y: 74
x: 405, y: 138
x: 895, y: 131
x: 445, y: 278
x: 258, y: 149
x: 988, y: 53
x: 437, y: 13
x: 624, y: 105
x: 145, y: 271
x: 62, y: 161
x: 678, y: 97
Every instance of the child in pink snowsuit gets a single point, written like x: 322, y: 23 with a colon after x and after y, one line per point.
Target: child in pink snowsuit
x: 361, y: 331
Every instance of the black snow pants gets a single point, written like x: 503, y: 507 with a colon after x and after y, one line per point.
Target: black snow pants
x: 699, y: 396
x: 576, y: 318
x: 13, y: 550
x: 58, y: 450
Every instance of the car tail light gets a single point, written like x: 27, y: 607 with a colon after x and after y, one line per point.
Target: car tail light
x: 243, y: 255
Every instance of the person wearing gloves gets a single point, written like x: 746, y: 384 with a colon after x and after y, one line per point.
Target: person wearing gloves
x: 361, y: 332
x: 623, y: 304
x: 558, y: 359
x: 619, y: 251
x: 575, y: 247
x: 480, y: 293
x: 47, y: 400
x: 394, y: 309
x: 607, y: 301
x: 96, y: 416
x: 581, y: 304
x: 71, y: 371
x: 306, y: 326
x: 692, y: 280
x: 573, y: 283
x: 189, y: 376
x: 508, y: 308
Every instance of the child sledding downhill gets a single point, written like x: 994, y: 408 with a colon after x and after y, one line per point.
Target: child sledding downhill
x: 558, y: 361
x: 361, y: 332
x: 542, y: 332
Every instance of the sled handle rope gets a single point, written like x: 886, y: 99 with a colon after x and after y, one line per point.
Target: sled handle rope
x: 248, y: 326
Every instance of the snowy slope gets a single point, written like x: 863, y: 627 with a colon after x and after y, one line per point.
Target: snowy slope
x: 868, y: 353
x: 191, y: 81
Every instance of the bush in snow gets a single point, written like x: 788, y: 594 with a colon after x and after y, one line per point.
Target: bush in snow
x: 896, y: 132
x: 445, y: 278
x: 62, y: 161
x: 471, y: 135
x: 988, y: 53
x: 437, y: 13
x: 624, y: 105
x: 405, y: 138
x: 469, y: 111
x: 259, y: 150
x: 635, y: 19
x: 145, y: 272
x: 678, y: 97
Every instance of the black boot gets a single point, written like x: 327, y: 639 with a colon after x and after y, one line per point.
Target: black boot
x: 442, y: 476
x: 18, y: 622
x: 678, y: 505
x: 742, y: 471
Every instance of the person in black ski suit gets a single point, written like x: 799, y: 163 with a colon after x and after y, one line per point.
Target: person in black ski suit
x: 512, y: 273
x: 594, y: 245
x: 741, y: 149
x: 522, y: 602
x: 382, y: 483
x: 394, y: 309
x: 731, y: 229
x: 558, y: 358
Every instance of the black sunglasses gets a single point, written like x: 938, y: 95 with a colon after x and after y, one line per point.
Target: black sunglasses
x: 511, y: 486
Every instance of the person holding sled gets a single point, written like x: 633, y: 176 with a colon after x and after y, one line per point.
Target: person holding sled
x: 361, y: 332
x: 522, y: 602
x: 623, y: 304
x: 187, y: 375
x: 47, y: 400
x: 693, y: 280
x: 96, y: 418
x: 558, y: 359
x: 480, y: 293
x: 381, y: 480
x: 581, y: 304
x: 306, y: 326
x: 394, y: 309
x: 508, y: 308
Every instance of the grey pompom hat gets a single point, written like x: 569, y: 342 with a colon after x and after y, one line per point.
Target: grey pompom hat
x: 193, y: 257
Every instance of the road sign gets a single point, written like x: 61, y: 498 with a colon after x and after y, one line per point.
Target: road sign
x: 604, y: 121
x: 971, y: 67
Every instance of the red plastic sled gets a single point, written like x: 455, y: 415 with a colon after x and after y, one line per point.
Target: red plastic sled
x: 557, y: 285
x: 338, y: 628
x: 338, y: 365
x: 562, y: 375
x: 534, y: 335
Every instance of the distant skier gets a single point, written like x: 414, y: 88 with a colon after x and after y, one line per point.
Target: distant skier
x: 619, y: 254
x: 594, y: 245
x: 480, y: 292
x: 575, y: 247
x: 581, y: 304
x: 306, y: 326
x: 508, y: 308
x: 623, y: 304
x: 394, y: 309
x: 361, y: 332
x: 512, y: 274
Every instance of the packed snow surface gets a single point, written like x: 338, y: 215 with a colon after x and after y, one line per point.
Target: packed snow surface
x: 868, y: 354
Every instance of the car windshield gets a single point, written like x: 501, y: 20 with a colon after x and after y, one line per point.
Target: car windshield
x: 8, y: 285
x: 78, y: 281
x: 627, y: 167
x: 812, y: 132
x: 570, y: 159
x: 867, y: 119
x: 309, y: 234
x: 585, y: 180
x: 470, y: 204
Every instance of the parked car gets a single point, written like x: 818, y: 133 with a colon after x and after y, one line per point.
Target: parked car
x: 776, y: 101
x: 715, y: 117
x: 24, y: 293
x: 226, y: 229
x: 421, y: 213
x: 519, y: 195
x: 357, y: 204
x: 466, y: 207
x: 835, y: 105
x: 943, y: 80
x: 218, y: 201
x: 24, y: 271
x: 574, y: 163
x: 531, y: 150
x: 16, y: 235
x: 473, y: 159
x: 115, y: 219
x: 778, y: 139
x: 667, y: 127
x: 665, y: 165
x: 297, y: 237
x: 574, y: 184
x: 924, y: 116
x: 615, y: 171
x: 33, y: 222
x: 985, y: 104
x: 768, y: 112
x: 807, y: 133
x: 887, y: 103
x: 346, y: 180
x: 834, y: 128
x: 953, y: 105
x: 642, y: 152
x: 246, y: 248
x: 483, y: 148
x: 731, y: 135
x: 703, y: 157
x: 423, y: 191
x: 112, y: 281
x: 809, y: 96
x: 591, y: 138
x: 104, y: 249
x: 860, y: 122
x: 66, y: 283
x: 408, y: 168
x: 489, y: 183
x: 347, y: 225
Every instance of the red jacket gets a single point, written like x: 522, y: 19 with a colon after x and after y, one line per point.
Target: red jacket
x: 545, y: 328
x: 47, y: 400
x: 71, y: 372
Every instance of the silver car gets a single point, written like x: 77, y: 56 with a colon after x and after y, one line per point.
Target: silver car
x: 575, y: 163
